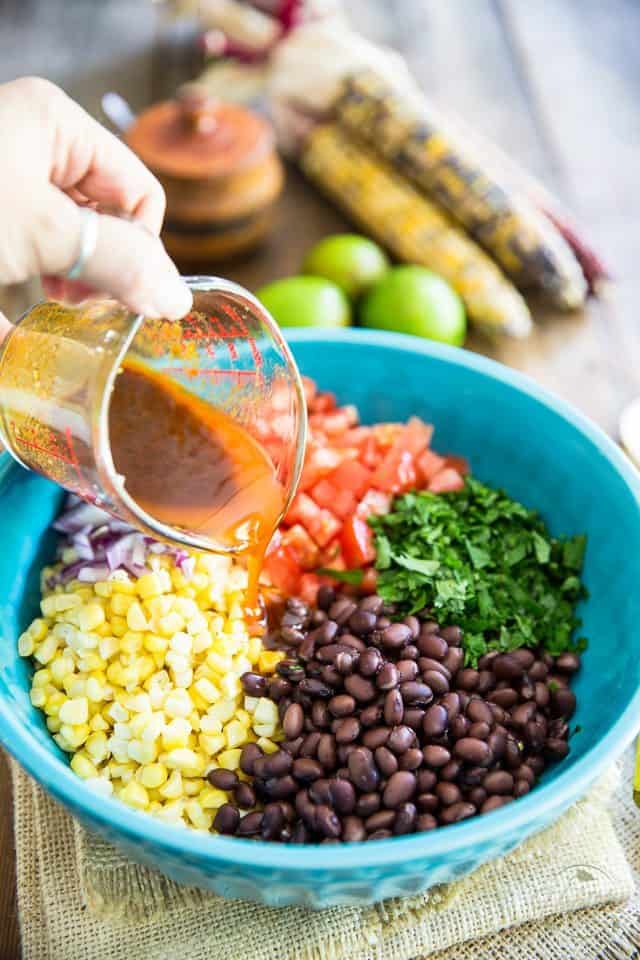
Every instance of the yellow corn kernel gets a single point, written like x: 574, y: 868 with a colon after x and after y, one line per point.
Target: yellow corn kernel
x: 158, y: 607
x: 49, y: 606
x: 254, y: 649
x: 266, y: 712
x: 178, y: 703
x: 74, y: 685
x: 115, y: 674
x: 26, y: 644
x: 265, y: 730
x: 91, y: 661
x: 53, y: 704
x: 211, y: 743
x: 207, y: 690
x: 41, y: 678
x: 142, y: 752
x: 136, y: 619
x: 193, y: 786
x: 122, y: 586
x: 120, y: 603
x: 182, y: 758
x: 94, y: 690
x: 121, y: 771
x: 63, y: 743
x: 267, y: 745
x: 108, y: 646
x: 103, y: 588
x: 170, y: 624
x: 46, y: 651
x: 98, y: 723
x: 97, y: 747
x: 154, y: 643
x: 53, y: 724
x: 76, y: 734
x: 61, y: 666
x: 210, y: 798
x: 90, y: 616
x: 235, y: 733
x: 230, y: 686
x: 197, y: 816
x: 209, y: 724
x: 150, y: 585
x: 82, y: 766
x: 268, y: 660
x: 135, y: 795
x: 173, y: 788
x: 38, y: 696
x: 176, y: 733
x: 38, y: 629
x: 229, y: 759
x: 152, y: 775
x: 118, y: 626
x: 222, y: 711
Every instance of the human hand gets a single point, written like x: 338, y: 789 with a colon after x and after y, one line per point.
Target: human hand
x: 55, y: 159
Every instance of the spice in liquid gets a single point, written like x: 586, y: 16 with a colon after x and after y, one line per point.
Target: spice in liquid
x: 192, y: 467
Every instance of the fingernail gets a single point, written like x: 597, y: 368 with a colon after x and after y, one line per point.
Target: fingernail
x: 172, y: 298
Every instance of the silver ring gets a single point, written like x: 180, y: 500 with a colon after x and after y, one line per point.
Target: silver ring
x: 88, y: 241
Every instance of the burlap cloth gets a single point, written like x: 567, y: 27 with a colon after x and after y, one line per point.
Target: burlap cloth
x: 80, y: 900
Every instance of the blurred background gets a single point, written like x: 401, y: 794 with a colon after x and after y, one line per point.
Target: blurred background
x: 555, y: 83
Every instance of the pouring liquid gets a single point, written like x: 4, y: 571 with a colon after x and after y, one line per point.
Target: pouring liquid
x: 192, y: 467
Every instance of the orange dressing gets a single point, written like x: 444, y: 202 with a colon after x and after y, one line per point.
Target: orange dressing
x: 192, y: 467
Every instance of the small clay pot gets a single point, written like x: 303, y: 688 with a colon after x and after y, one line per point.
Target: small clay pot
x: 218, y: 165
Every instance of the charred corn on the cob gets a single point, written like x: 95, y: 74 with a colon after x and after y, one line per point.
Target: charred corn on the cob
x: 521, y: 239
x: 412, y: 228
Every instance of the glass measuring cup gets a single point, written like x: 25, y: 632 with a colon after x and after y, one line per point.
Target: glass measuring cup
x: 59, y: 365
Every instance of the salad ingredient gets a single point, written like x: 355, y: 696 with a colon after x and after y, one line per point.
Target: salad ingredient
x: 387, y: 732
x: 414, y: 300
x: 481, y: 560
x: 520, y: 237
x: 354, y: 263
x: 412, y: 228
x: 139, y: 680
x: 306, y: 302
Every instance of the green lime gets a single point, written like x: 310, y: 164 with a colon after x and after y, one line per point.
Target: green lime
x: 415, y: 300
x: 306, y: 302
x: 352, y: 262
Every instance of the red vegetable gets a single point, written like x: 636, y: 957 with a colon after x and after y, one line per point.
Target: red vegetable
x: 447, y: 481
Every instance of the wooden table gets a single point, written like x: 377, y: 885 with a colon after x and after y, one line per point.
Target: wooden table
x: 556, y: 84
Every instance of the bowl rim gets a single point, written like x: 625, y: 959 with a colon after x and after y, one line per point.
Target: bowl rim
x: 143, y: 828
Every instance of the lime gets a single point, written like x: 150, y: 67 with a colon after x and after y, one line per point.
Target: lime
x: 306, y: 302
x: 415, y: 300
x: 352, y: 262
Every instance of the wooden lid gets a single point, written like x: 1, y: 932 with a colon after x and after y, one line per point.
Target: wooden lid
x: 196, y: 137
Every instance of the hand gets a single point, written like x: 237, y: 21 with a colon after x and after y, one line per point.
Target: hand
x: 55, y: 158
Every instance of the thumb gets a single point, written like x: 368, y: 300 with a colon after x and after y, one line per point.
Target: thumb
x: 129, y: 263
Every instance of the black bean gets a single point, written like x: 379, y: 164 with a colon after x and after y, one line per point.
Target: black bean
x: 293, y: 721
x: 330, y: 653
x: 320, y: 791
x: 413, y: 693
x: 555, y: 749
x: 538, y: 672
x: 523, y: 713
x: 436, y: 756
x: 331, y: 676
x: 375, y: 737
x: 426, y: 822
x: 393, y: 708
x: 428, y: 626
x: 534, y: 735
x: 473, y: 751
x: 499, y: 714
x: 326, y: 751
x: 367, y: 804
x: 248, y: 756
x: 457, y: 812
x: 320, y: 714
x: 325, y: 634
x: 413, y: 717
x: 254, y: 684
x: 436, y: 682
x: 292, y: 636
x: 360, y: 688
x: 479, y: 711
x: 327, y: 823
x: 400, y: 788
x: 388, y: 677
x: 396, y: 636
x: 459, y: 727
x: 525, y: 772
x: 347, y: 730
x: 536, y: 764
x: 411, y: 759
x: 506, y: 666
x: 410, y: 652
x: 467, y: 679
x: 448, y: 793
x: 494, y: 802
x: 405, y: 819
x: 307, y: 648
x: 428, y: 663
x: 380, y: 835
x: 454, y: 659
x: 226, y: 819
x: 381, y: 820
x: 362, y: 622
x: 326, y: 596
x: 435, y: 721
x: 272, y: 821
x: 305, y: 808
x: 427, y: 780
x: 559, y: 728
x: 451, y: 703
x: 373, y: 604
x: 318, y: 617
x: 512, y: 753
x: 306, y: 769
x: 472, y: 776
x: 353, y: 830
x: 292, y: 746
x: 427, y: 802
x: 498, y: 781
x: 341, y: 609
x: 250, y: 824
x: 341, y: 705
x: 362, y: 769
x: 477, y: 796
x: 370, y: 662
x: 222, y: 779
x: 563, y: 702
x: 314, y: 688
x: 451, y: 770
x: 497, y: 742
x: 280, y: 788
x: 464, y: 699
x: 486, y: 682
x: 278, y: 764
x: 505, y: 698
x: 431, y: 645
x: 344, y: 663
x: 355, y: 644
x: 343, y: 796
x: 527, y: 690
x: 520, y: 788
x: 386, y: 761
x: 291, y: 670
x: 400, y: 738
x: 479, y: 731
x: 300, y: 833
x: 371, y: 715
x: 525, y: 657
x: 309, y: 745
x: 453, y: 635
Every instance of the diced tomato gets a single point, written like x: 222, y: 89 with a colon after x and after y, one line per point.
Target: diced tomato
x: 282, y: 570
x: 446, y: 481
x: 369, y: 581
x: 416, y: 436
x: 428, y: 464
x: 386, y: 434
x: 336, y: 422
x: 310, y: 389
x: 357, y: 542
x: 324, y: 493
x: 353, y: 476
x: 396, y: 473
x: 275, y: 542
x: 303, y: 548
x: 371, y: 454
x: 302, y: 509
x: 461, y: 464
x: 344, y: 504
x: 323, y: 527
x: 319, y: 462
x: 355, y: 437
x: 308, y: 587
x: 322, y: 403
x: 332, y: 556
x: 374, y: 503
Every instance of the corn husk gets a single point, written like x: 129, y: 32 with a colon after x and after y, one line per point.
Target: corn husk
x: 413, y: 139
x: 412, y: 228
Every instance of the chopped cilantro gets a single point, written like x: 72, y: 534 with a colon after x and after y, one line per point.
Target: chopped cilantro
x: 481, y: 560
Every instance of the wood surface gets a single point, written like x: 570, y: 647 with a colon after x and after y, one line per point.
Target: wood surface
x: 555, y: 83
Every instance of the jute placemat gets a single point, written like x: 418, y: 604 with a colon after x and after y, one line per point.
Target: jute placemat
x: 80, y: 900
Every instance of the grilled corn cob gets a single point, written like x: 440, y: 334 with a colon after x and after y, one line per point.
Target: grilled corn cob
x: 412, y: 228
x: 522, y: 240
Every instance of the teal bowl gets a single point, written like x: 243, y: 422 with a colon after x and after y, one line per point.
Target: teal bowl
x: 543, y: 453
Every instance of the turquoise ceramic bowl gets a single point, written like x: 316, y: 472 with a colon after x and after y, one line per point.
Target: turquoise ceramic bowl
x: 545, y: 454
